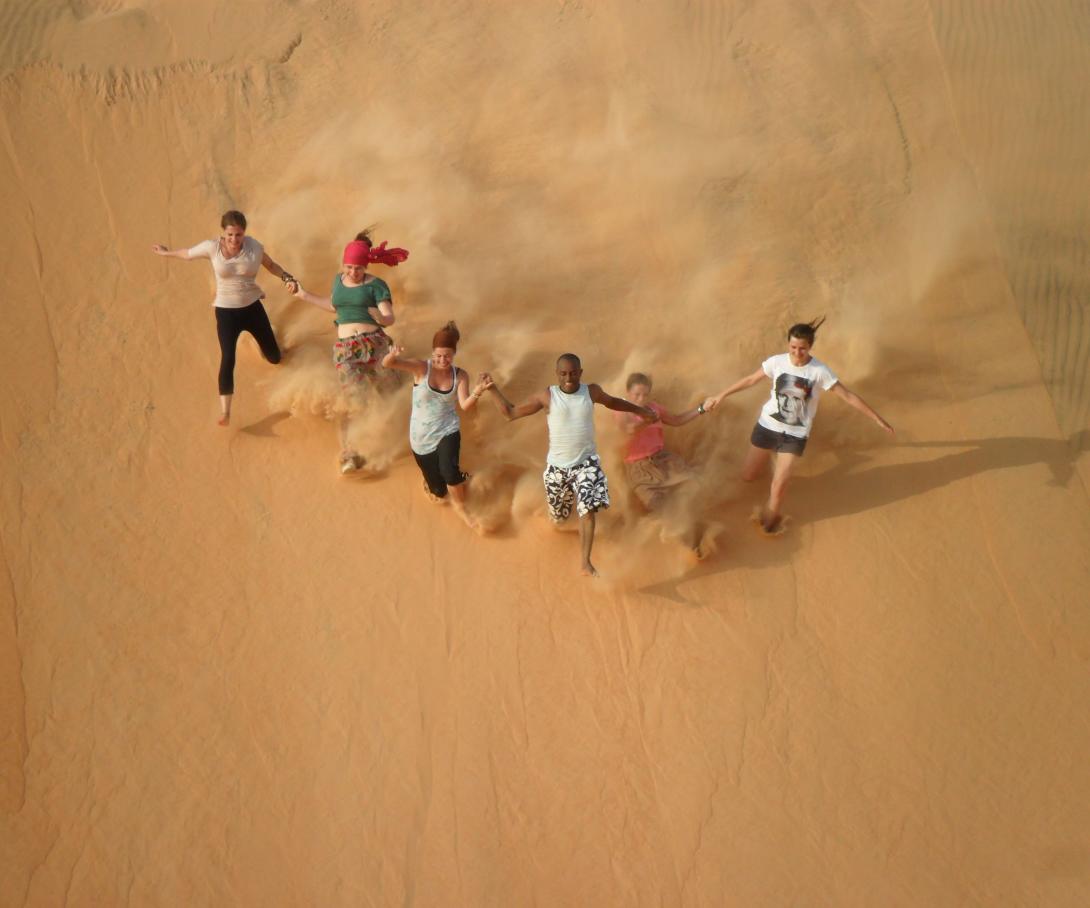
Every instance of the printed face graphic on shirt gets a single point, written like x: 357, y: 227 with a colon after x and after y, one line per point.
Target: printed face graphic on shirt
x: 792, y: 396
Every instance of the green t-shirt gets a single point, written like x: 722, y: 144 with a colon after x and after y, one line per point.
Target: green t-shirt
x: 352, y: 303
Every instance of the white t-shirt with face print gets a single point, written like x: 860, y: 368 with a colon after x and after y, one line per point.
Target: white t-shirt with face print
x: 795, y: 393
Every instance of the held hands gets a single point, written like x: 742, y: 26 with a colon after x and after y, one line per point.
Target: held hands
x: 710, y: 404
x: 484, y: 382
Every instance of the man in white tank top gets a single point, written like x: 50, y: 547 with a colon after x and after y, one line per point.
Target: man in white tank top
x: 573, y: 472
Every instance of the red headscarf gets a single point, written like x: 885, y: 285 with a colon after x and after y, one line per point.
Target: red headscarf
x: 359, y: 253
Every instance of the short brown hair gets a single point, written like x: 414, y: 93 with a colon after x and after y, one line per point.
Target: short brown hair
x: 233, y: 218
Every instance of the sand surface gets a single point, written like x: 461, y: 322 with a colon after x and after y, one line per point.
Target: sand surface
x: 232, y: 677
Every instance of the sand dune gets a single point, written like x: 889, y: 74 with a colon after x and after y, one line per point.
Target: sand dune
x: 232, y: 677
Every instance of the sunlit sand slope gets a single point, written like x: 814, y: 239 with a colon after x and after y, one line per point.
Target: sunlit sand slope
x: 231, y: 677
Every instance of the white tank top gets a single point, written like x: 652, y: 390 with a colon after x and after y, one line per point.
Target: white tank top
x: 571, y: 427
x: 434, y: 414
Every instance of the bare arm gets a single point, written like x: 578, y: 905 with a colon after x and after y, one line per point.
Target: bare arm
x: 539, y: 401
x: 854, y: 400
x: 160, y: 249
x: 275, y: 269
x: 383, y: 313
x: 322, y: 302
x: 748, y: 382
x: 620, y: 404
x: 466, y: 398
x: 680, y: 419
x: 393, y: 360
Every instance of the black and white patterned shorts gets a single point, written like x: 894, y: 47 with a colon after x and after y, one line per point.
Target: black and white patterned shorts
x: 583, y: 485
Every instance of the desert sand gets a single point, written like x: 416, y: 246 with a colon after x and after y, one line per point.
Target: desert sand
x: 232, y: 677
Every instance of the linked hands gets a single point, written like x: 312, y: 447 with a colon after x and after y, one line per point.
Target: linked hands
x: 484, y: 383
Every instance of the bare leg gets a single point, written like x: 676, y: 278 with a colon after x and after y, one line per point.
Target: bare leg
x: 458, y: 495
x: 586, y: 540
x: 350, y: 458
x: 225, y: 409
x: 781, y: 476
x: 755, y: 462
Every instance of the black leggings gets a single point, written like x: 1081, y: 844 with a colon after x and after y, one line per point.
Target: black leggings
x: 230, y: 323
x: 440, y: 467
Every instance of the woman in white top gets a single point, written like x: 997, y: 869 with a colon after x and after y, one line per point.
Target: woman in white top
x: 236, y: 259
x: 434, y: 427
x: 783, y: 427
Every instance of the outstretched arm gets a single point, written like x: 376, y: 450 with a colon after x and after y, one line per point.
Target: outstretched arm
x: 679, y: 419
x: 160, y: 249
x: 272, y: 266
x: 467, y: 398
x: 854, y: 400
x: 620, y: 404
x: 539, y: 401
x: 394, y: 360
x: 322, y: 302
x: 748, y: 382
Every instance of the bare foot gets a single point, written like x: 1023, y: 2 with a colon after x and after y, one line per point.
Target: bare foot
x: 589, y: 570
x: 351, y: 462
x: 466, y: 518
x: 224, y: 420
x: 776, y: 527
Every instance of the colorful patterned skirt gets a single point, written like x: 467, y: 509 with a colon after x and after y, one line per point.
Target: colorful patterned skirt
x: 358, y: 359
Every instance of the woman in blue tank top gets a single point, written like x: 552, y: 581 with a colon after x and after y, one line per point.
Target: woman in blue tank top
x: 363, y: 308
x: 439, y: 388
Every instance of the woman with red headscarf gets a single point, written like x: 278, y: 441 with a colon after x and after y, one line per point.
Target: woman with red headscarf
x: 363, y: 307
x: 439, y: 388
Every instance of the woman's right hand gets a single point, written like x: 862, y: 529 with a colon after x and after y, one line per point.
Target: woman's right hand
x: 710, y: 404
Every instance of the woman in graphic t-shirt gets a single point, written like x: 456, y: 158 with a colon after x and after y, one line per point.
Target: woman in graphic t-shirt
x: 439, y: 389
x: 783, y: 427
x: 236, y: 259
x: 363, y: 307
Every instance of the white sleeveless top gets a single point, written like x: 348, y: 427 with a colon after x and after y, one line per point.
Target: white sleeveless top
x: 434, y: 415
x: 571, y: 427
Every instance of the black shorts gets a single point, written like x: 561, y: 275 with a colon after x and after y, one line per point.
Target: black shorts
x: 780, y: 442
x: 440, y: 467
